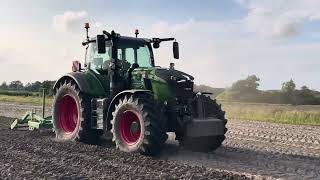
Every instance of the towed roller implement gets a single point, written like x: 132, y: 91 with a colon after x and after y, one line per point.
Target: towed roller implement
x: 34, y: 121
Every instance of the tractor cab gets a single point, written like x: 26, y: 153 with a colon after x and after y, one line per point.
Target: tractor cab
x: 130, y: 53
x: 116, y: 57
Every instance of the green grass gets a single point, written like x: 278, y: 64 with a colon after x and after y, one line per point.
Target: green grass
x: 33, y: 100
x: 289, y: 114
x: 279, y: 113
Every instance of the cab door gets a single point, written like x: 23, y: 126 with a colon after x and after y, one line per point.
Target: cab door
x: 98, y: 64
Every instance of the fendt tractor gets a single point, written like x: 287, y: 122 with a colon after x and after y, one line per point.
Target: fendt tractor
x: 121, y: 92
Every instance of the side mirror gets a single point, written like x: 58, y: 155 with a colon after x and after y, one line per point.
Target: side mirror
x: 101, y: 44
x: 176, y: 50
x: 156, y: 45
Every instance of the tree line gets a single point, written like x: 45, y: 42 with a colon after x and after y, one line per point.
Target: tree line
x: 32, y: 87
x: 246, y: 90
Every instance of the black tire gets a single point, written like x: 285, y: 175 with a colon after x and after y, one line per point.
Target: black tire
x: 208, y: 143
x: 82, y: 131
x: 143, y: 110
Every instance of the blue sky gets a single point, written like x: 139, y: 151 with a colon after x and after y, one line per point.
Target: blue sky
x: 220, y: 41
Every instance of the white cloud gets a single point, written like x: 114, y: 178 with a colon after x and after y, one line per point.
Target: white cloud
x: 268, y: 24
x: 97, y: 24
x: 48, y: 56
x: 5, y: 54
x: 216, y: 53
x: 164, y: 27
x: 199, y: 54
x: 219, y: 53
x: 70, y: 21
x: 279, y: 19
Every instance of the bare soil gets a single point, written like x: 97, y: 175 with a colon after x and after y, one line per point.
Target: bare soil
x: 36, y: 155
x: 252, y: 150
x: 265, y: 149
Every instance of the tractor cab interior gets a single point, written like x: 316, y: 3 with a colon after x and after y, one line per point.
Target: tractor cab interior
x: 131, y: 53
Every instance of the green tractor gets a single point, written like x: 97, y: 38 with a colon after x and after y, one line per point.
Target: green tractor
x: 122, y: 92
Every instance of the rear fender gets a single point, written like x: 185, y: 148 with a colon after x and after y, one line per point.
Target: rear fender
x: 86, y: 82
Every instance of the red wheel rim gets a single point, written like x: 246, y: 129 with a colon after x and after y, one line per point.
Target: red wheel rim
x: 68, y: 114
x: 128, y: 134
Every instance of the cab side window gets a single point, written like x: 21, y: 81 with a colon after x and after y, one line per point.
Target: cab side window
x: 98, y: 61
x: 141, y: 54
x: 126, y: 54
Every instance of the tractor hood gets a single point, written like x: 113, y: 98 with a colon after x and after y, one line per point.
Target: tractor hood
x: 179, y: 83
x: 171, y: 74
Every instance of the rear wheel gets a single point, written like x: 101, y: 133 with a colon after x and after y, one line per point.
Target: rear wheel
x: 137, y: 126
x: 68, y: 116
x: 72, y: 113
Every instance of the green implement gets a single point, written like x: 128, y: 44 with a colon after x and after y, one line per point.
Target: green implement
x: 33, y: 121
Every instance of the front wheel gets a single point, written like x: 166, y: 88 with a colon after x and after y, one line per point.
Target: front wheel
x: 137, y: 125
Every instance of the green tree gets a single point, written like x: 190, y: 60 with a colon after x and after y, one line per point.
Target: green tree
x: 289, y: 86
x: 306, y: 96
x: 48, y: 85
x: 305, y: 88
x: 245, y: 90
x: 4, y: 86
x: 250, y: 84
x: 16, y: 85
x: 288, y: 89
x: 33, y: 87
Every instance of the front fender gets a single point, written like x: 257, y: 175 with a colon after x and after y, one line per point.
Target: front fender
x: 123, y: 93
x: 114, y: 100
